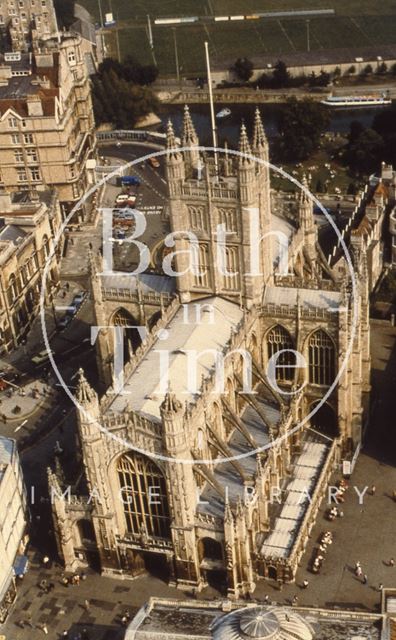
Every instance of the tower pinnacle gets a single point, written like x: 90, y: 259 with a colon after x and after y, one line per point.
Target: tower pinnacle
x: 244, y: 146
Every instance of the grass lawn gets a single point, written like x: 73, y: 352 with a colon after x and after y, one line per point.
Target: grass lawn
x: 356, y: 23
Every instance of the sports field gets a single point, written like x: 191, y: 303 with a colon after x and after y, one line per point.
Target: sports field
x: 356, y: 23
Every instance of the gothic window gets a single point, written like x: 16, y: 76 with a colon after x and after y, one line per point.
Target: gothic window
x: 144, y: 497
x: 228, y: 217
x: 197, y: 218
x: 279, y: 339
x: 46, y: 246
x: 12, y: 289
x: 201, y: 266
x: 321, y: 358
x: 232, y: 267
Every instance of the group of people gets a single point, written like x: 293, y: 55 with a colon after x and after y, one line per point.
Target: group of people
x: 73, y: 580
x: 325, y: 540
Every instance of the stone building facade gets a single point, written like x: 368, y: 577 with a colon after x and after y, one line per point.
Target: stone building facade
x: 28, y: 226
x: 213, y: 482
x: 13, y: 521
x: 23, y: 21
x: 46, y: 118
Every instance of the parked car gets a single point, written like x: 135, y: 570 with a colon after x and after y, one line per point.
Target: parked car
x: 72, y: 309
x: 154, y: 162
x: 121, y: 199
x: 41, y: 358
x: 79, y: 297
x: 127, y: 181
x: 64, y: 322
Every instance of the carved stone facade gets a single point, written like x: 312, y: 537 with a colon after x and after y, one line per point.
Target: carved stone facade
x: 221, y: 482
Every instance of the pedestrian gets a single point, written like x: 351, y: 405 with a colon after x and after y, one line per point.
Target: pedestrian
x: 46, y: 561
x: 44, y: 628
x: 21, y: 624
x: 305, y: 584
x: 87, y: 606
x: 391, y: 562
x: 357, y: 565
x: 65, y: 634
x: 373, y: 489
x: 124, y: 621
x: 380, y: 586
x: 295, y: 601
x: 365, y: 579
x: 266, y: 599
x: 394, y: 496
x: 280, y: 584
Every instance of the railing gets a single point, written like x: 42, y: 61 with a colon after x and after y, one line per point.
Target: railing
x: 133, y: 136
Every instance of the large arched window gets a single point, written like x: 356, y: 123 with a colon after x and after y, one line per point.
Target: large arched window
x: 144, y: 497
x: 121, y: 318
x: 321, y: 358
x: 201, y: 265
x: 231, y: 281
x: 279, y: 339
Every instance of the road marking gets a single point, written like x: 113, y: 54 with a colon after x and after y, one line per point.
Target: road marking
x: 20, y: 426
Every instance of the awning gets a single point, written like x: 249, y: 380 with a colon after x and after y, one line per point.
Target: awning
x: 21, y: 566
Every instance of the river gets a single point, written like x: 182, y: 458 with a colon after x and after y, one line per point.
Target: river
x: 228, y: 128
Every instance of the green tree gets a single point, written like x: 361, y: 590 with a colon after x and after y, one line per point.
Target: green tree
x: 382, y: 68
x: 355, y: 129
x: 366, y: 152
x: 243, y: 68
x: 367, y: 70
x: 351, y: 70
x: 280, y: 76
x: 352, y: 191
x: 300, y: 127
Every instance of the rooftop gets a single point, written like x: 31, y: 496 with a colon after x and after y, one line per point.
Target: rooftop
x: 142, y: 389
x: 165, y: 619
x: 7, y: 448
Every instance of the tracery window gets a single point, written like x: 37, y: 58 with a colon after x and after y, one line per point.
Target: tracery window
x: 228, y: 217
x: 279, y: 339
x: 201, y: 265
x: 144, y: 497
x: 231, y: 281
x: 321, y: 358
x: 197, y: 218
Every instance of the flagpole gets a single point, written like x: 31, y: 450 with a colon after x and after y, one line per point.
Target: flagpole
x: 212, y: 113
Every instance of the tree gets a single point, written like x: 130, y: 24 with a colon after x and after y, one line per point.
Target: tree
x: 64, y: 12
x: 280, y: 76
x: 355, y: 129
x: 382, y: 68
x: 393, y: 69
x: 351, y: 70
x: 337, y: 72
x: 367, y: 70
x: 118, y: 101
x: 366, y: 152
x: 243, y: 68
x: 384, y: 122
x: 352, y: 191
x: 300, y: 126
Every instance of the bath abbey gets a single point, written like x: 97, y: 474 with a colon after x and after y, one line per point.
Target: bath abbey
x: 247, y: 384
